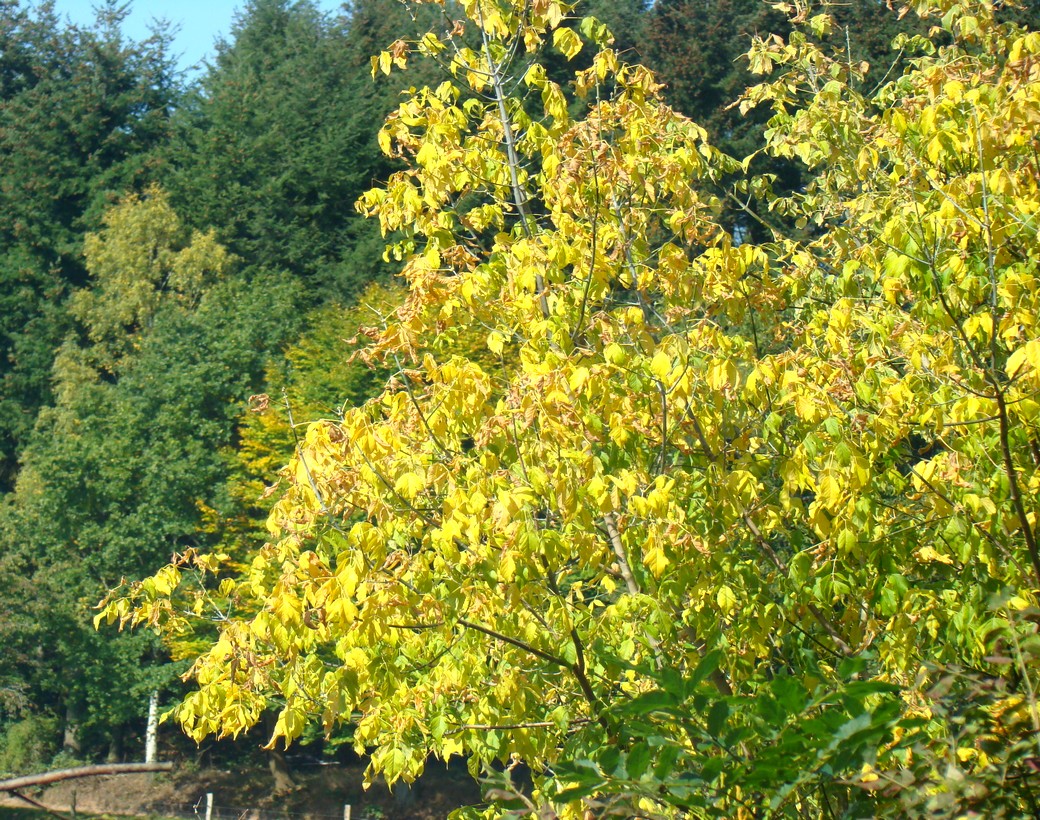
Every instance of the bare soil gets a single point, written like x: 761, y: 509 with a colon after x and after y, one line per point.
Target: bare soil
x: 321, y: 793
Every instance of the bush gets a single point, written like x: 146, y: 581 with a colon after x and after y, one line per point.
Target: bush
x: 28, y: 744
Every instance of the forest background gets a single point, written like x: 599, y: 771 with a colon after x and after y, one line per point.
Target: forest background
x: 184, y: 279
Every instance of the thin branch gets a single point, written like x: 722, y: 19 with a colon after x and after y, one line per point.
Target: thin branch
x: 417, y: 626
x: 526, y: 647
x: 406, y: 380
x: 663, y: 456
x: 619, y: 551
x: 299, y: 454
x: 578, y: 330
x: 1001, y: 548
x: 506, y: 727
x: 507, y: 135
x: 578, y: 668
x: 1016, y: 493
x: 37, y: 804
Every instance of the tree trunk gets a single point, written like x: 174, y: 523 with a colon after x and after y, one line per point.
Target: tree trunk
x: 151, y: 735
x: 32, y: 780
x: 279, y: 767
x: 70, y: 738
x: 404, y: 796
x: 115, y: 746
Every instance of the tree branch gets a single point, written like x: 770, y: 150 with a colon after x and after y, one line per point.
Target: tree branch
x: 31, y: 780
x: 538, y: 653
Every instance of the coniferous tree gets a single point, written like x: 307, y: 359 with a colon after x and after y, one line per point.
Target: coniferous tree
x: 81, y: 111
x: 279, y: 140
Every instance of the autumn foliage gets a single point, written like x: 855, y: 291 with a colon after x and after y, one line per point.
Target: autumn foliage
x: 718, y: 529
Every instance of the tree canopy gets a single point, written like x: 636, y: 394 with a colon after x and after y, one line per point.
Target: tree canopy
x: 725, y: 527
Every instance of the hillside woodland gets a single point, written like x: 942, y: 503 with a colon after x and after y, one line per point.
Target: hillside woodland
x: 638, y: 401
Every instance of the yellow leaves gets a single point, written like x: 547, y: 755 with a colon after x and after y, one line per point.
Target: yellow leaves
x: 618, y: 430
x: 762, y: 57
x: 661, y: 365
x: 567, y: 41
x: 496, y: 342
x: 431, y: 44
x: 165, y: 581
x: 598, y: 492
x: 578, y: 379
x: 615, y: 354
x: 807, y: 408
x: 397, y: 55
x: 723, y: 376
x: 829, y: 491
x: 710, y: 401
x: 741, y: 489
x: 554, y: 102
x: 1025, y: 360
x: 654, y: 559
x: 866, y: 161
x: 972, y: 755
x: 535, y: 76
x: 1024, y: 47
x: 382, y: 62
x: 928, y: 553
x: 341, y: 612
x: 289, y: 725
x: 112, y: 611
x: 507, y: 567
x: 821, y: 24
x: 287, y: 607
x: 867, y: 774
x: 979, y: 327
x: 1017, y: 603
x: 892, y: 289
x: 941, y: 147
x: 726, y: 599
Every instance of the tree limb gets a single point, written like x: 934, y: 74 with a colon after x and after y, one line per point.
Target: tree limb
x: 45, y: 778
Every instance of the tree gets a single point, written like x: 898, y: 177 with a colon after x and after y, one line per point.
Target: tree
x: 697, y: 49
x: 730, y: 528
x: 123, y: 470
x: 81, y: 112
x: 279, y: 140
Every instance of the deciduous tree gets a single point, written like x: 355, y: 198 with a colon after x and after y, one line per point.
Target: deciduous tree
x: 727, y: 527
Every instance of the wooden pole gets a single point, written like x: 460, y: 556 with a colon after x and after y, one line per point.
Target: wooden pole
x: 346, y: 812
x: 46, y: 778
x: 209, y: 805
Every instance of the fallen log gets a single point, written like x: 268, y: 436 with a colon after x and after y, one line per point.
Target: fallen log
x: 46, y: 778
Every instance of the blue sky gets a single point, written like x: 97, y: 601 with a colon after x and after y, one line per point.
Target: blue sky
x: 200, y: 22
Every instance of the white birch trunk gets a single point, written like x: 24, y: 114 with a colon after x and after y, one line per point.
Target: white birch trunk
x: 151, y: 735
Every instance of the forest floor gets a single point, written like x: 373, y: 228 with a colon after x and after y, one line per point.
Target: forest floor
x: 321, y: 793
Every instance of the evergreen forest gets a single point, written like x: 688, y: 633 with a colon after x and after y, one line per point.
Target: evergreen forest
x: 639, y: 400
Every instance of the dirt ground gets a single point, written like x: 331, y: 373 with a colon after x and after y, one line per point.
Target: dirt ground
x: 322, y: 792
